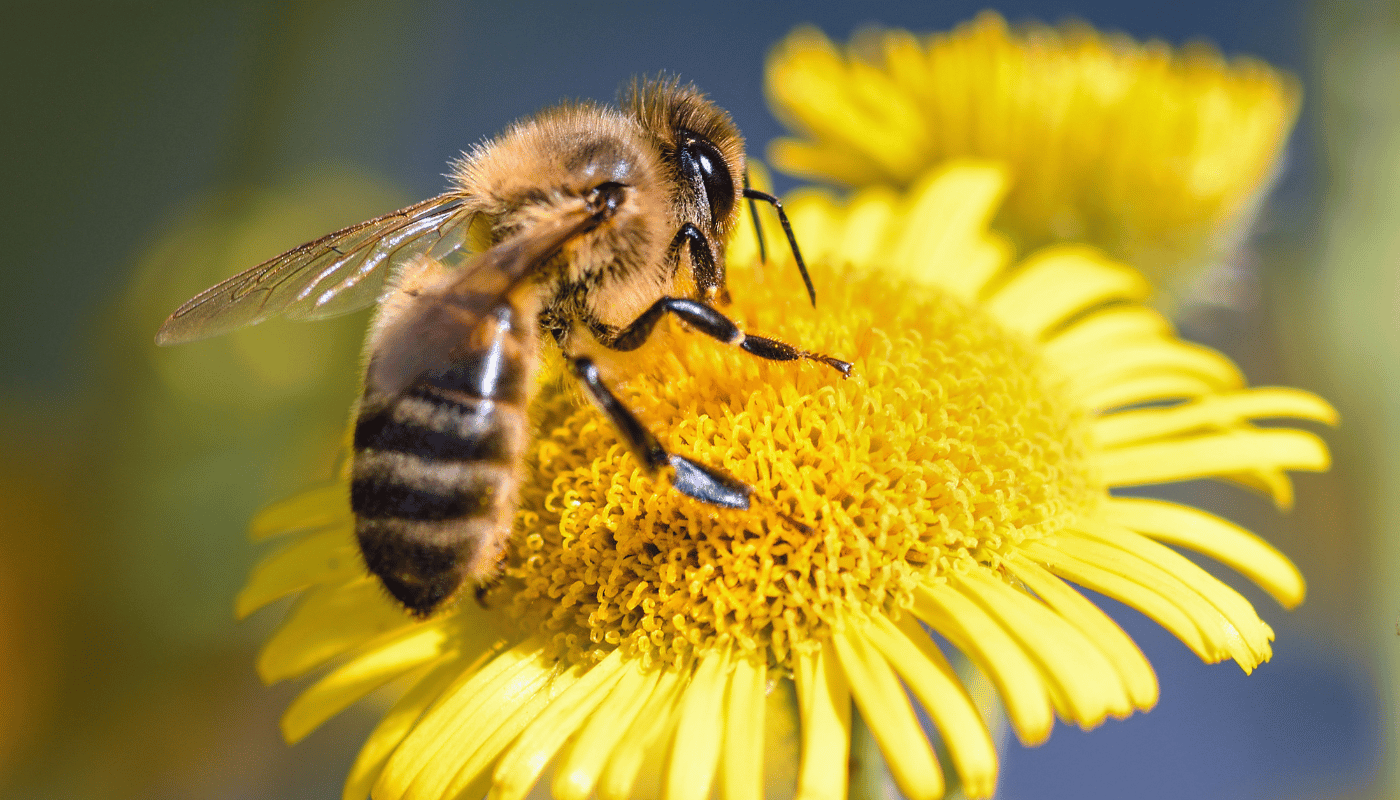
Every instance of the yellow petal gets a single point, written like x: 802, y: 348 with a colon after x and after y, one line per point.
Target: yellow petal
x: 1056, y: 283
x: 1272, y: 483
x: 520, y: 767
x: 695, y: 751
x: 782, y: 740
x: 825, y: 702
x: 400, y: 719
x: 646, y: 739
x: 843, y: 124
x: 932, y: 679
x: 326, y: 556
x: 318, y: 508
x: 368, y: 671
x: 865, y: 115
x: 1081, y: 343
x: 992, y: 649
x: 582, y: 763
x: 741, y: 766
x: 885, y: 708
x: 1221, y: 635
x: 462, y: 767
x: 942, y: 238
x: 1212, y: 454
x: 1150, y: 590
x: 505, y: 680
x: 1220, y: 539
x: 890, y: 110
x: 327, y: 622
x: 1132, y: 666
x: 1087, y: 681
x: 1107, y: 582
x: 1210, y: 413
x: 903, y: 56
x: 869, y: 218
x: 1148, y: 358
x: 1227, y: 601
x: 1054, y: 104
x: 845, y: 166
x: 1146, y: 389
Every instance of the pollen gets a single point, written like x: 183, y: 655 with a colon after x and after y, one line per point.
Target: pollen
x: 947, y: 446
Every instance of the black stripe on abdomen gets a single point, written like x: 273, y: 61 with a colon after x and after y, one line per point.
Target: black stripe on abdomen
x: 382, y: 497
x: 437, y: 429
x: 420, y: 574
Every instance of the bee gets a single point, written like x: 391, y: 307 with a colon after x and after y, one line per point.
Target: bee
x: 582, y: 226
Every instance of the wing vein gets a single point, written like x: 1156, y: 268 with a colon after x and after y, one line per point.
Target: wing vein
x: 335, y: 274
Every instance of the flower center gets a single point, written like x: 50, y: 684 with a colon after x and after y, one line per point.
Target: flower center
x: 947, y: 446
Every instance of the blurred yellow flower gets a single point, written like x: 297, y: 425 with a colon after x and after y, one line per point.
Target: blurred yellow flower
x: 1159, y: 157
x: 958, y: 482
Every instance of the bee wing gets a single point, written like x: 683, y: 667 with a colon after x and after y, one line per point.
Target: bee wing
x: 335, y: 274
x: 435, y: 329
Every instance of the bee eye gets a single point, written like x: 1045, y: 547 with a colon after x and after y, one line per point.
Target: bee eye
x: 704, y: 167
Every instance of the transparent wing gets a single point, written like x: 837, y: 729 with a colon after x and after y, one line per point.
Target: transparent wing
x: 336, y: 274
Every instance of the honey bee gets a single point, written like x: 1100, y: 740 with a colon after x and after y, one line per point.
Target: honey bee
x: 580, y: 223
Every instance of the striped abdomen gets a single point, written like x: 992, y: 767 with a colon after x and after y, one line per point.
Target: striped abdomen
x: 436, y: 467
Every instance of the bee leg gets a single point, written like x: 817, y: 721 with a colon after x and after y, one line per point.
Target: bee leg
x: 703, y: 483
x: 711, y: 323
x: 709, y: 277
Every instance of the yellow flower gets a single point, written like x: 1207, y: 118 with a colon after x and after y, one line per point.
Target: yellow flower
x: 1159, y: 157
x: 958, y: 480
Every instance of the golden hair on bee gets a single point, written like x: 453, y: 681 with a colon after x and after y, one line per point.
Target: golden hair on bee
x: 577, y: 228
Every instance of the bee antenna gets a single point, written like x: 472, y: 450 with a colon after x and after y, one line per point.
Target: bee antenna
x: 754, y: 194
x: 757, y: 229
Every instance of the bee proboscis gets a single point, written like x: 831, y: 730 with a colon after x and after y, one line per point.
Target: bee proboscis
x: 576, y: 223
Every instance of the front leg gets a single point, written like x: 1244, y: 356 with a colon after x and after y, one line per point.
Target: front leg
x: 710, y: 322
x: 708, y: 274
x: 703, y: 483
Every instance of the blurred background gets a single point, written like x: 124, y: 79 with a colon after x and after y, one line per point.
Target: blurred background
x: 151, y: 151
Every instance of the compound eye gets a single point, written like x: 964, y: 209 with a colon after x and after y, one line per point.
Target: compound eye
x: 705, y: 167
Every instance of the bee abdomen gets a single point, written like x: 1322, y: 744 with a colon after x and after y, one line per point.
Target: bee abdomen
x: 433, y: 487
x: 424, y: 528
x: 433, y: 491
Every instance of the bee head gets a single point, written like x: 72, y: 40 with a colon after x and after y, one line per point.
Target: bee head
x: 701, y: 150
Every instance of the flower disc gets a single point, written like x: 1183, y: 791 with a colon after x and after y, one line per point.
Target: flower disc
x: 945, y: 446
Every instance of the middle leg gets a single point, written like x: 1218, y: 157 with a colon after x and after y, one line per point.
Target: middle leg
x: 709, y: 275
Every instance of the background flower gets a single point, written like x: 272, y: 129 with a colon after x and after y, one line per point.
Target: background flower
x: 1161, y: 157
